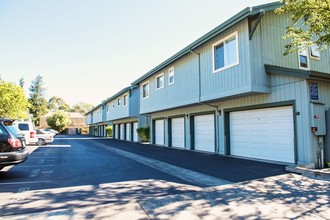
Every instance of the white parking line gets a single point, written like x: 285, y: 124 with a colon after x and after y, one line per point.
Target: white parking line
x: 57, y: 145
x: 38, y: 165
x: 29, y: 182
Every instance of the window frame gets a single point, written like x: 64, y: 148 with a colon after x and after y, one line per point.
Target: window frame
x: 119, y: 101
x: 125, y: 98
x: 171, y: 74
x: 157, y: 77
x: 315, y: 48
x: 145, y: 83
x: 223, y: 41
x: 305, y: 53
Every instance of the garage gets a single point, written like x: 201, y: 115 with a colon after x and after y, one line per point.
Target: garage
x: 117, y: 131
x: 128, y: 131
x: 177, y: 132
x: 122, y: 131
x: 159, y: 132
x: 135, y: 135
x: 204, y: 134
x: 263, y: 134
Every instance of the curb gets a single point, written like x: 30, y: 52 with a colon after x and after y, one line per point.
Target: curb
x: 308, y: 170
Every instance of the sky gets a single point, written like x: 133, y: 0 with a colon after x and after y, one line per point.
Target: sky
x: 88, y: 50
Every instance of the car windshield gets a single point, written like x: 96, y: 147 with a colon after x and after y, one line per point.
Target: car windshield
x: 12, y: 128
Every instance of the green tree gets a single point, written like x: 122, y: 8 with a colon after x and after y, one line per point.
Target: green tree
x: 59, y: 120
x: 57, y: 103
x: 309, y: 24
x: 38, y: 104
x: 21, y: 82
x: 82, y: 107
x: 13, y: 101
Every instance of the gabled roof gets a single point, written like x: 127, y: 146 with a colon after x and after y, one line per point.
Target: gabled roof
x: 245, y: 13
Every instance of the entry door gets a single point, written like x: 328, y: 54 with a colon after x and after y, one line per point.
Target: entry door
x: 159, y: 132
x: 204, y: 133
x: 177, y: 132
x: 263, y: 134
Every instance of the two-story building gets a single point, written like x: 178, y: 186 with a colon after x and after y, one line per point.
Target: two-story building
x: 233, y: 92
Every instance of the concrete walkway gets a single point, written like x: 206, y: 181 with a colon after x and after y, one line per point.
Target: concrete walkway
x: 288, y: 196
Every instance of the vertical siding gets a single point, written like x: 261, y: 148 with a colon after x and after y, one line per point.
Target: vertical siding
x: 133, y: 102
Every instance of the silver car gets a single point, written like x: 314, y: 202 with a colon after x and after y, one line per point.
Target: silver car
x: 44, y: 137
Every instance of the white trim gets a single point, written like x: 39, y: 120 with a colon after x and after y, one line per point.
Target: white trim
x: 169, y: 76
x: 119, y: 101
x: 316, y: 49
x: 158, y: 76
x: 147, y: 82
x: 222, y: 41
x: 306, y: 51
x: 125, y: 95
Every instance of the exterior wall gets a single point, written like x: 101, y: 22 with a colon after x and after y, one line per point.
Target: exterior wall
x: 268, y: 46
x: 116, y: 111
x: 88, y: 119
x: 97, y: 115
x: 284, y: 90
x: 133, y: 102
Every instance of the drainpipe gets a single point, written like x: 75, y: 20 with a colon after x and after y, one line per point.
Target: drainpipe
x: 200, y: 93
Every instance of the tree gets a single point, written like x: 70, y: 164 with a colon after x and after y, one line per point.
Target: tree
x: 38, y: 104
x: 57, y: 103
x: 13, y: 101
x: 59, y: 120
x: 309, y: 24
x: 21, y: 82
x: 82, y: 107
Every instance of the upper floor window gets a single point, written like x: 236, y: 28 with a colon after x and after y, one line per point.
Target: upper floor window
x: 125, y: 100
x: 108, y: 107
x: 171, y: 76
x: 160, y: 81
x: 303, y: 59
x: 315, y: 52
x: 118, y: 101
x: 145, y: 90
x: 225, y: 53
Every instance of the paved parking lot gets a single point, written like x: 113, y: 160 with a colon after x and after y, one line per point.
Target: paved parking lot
x: 94, y: 178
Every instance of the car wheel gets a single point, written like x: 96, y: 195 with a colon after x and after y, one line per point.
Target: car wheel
x: 41, y: 142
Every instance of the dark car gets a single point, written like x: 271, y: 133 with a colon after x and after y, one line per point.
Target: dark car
x: 12, y: 144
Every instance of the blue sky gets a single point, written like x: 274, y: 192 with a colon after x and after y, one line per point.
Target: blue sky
x: 88, y: 50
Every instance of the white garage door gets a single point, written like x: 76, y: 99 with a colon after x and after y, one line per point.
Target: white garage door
x: 122, y: 131
x: 159, y: 132
x: 204, y: 133
x: 135, y: 135
x: 177, y: 132
x: 128, y: 131
x: 117, y: 131
x: 263, y: 134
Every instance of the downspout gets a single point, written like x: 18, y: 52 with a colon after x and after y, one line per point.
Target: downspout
x: 200, y: 94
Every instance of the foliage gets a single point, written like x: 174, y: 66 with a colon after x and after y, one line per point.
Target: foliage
x: 144, y: 133
x: 13, y: 101
x: 108, y: 129
x: 57, y: 103
x: 38, y: 104
x: 59, y: 120
x: 309, y: 24
x: 82, y: 107
x: 21, y: 82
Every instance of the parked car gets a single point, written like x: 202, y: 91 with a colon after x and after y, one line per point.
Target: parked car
x: 12, y: 144
x: 50, y: 130
x: 29, y: 131
x: 44, y: 137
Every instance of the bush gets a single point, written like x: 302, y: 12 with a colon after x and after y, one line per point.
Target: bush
x: 144, y: 133
x: 108, y: 129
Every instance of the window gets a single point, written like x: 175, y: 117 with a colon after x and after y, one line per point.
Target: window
x: 145, y: 90
x: 171, y: 76
x: 107, y: 107
x: 225, y: 53
x: 303, y: 58
x: 125, y: 100
x: 160, y: 81
x: 315, y: 52
x: 118, y: 101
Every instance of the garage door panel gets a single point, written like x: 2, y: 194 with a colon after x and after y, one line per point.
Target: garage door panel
x: 177, y: 132
x: 159, y: 132
x: 263, y: 134
x: 204, y: 133
x: 135, y: 135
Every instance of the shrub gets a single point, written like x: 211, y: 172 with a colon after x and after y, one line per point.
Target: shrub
x: 144, y: 133
x: 108, y: 129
